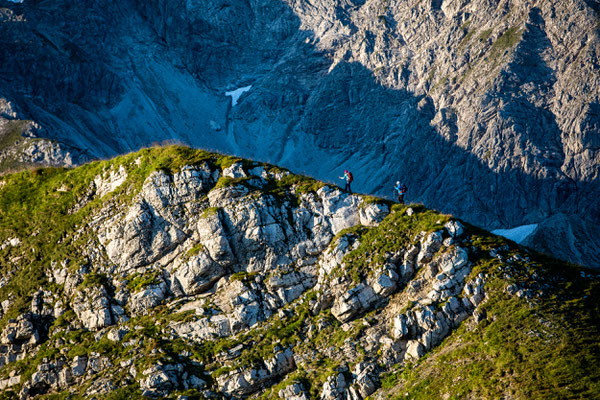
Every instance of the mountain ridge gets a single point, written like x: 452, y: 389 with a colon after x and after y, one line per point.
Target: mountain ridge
x: 177, y: 272
x: 499, y: 100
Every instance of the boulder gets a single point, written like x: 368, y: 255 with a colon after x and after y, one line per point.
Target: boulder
x: 354, y: 302
x: 197, y: 273
x: 143, y: 301
x: 203, y: 329
x: 19, y: 331
x: 334, y: 388
x: 13, y: 381
x: 79, y: 365
x: 365, y: 380
x: 192, y: 381
x: 340, y: 208
x: 409, y: 262
x: 92, y: 306
x: 116, y: 334
x: 429, y: 246
x: 109, y: 180
x: 455, y: 229
x: 414, y: 350
x: 402, y: 325
x: 291, y: 285
x: 455, y: 267
x: 101, y: 386
x: 236, y: 170
x: 386, y: 282
x: 244, y: 382
x: 295, y: 391
x: 244, y: 307
x: 159, y: 380
x: 372, y: 214
x: 332, y: 256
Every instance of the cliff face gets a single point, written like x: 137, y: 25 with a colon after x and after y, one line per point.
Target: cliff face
x: 177, y: 272
x: 486, y: 109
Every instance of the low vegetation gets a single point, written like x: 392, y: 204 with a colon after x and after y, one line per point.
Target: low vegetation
x: 541, y: 343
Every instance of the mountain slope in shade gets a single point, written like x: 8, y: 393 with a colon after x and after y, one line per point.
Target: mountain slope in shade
x: 488, y: 110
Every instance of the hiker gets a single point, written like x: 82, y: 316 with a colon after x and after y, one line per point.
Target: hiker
x: 349, y: 178
x: 401, y: 190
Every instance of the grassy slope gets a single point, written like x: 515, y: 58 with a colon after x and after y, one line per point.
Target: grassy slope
x: 33, y: 209
x: 547, y: 347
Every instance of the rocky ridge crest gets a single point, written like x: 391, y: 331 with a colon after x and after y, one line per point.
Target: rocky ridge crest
x: 499, y: 100
x: 224, y: 278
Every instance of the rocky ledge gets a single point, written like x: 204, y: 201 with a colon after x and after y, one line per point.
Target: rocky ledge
x: 223, y: 278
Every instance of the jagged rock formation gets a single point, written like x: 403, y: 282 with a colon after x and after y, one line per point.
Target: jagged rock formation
x: 172, y: 271
x: 20, y: 148
x: 487, y: 109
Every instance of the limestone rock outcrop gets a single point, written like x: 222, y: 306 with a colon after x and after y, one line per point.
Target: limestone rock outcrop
x: 226, y: 279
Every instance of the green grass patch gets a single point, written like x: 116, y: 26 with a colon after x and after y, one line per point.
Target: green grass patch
x: 226, y: 181
x: 398, y: 230
x: 138, y: 282
x: 243, y: 276
x: 485, y: 35
x: 503, y: 44
x: 195, y: 250
x: 210, y: 211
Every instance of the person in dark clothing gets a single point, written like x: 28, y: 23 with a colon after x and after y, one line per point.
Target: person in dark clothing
x: 349, y: 178
x: 401, y: 190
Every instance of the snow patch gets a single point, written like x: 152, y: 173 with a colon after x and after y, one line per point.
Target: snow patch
x: 235, y: 94
x: 518, y: 234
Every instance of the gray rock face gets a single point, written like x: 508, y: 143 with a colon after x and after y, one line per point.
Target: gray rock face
x: 334, y: 388
x: 429, y: 246
x: 454, y: 268
x: 159, y: 380
x: 230, y: 282
x: 22, y: 330
x: 57, y: 375
x: 240, y: 383
x: 92, y: 306
x: 22, y: 149
x: 109, y: 181
x: 152, y: 225
x: 354, y: 302
x: 423, y: 328
x: 498, y: 102
x: 294, y: 391
x: 365, y: 381
x: 203, y: 234
x: 203, y: 329
x: 142, y: 302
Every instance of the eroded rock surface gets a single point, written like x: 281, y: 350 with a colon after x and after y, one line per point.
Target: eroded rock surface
x: 487, y: 110
x: 224, y: 281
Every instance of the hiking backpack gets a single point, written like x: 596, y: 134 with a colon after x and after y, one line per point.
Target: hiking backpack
x: 350, y: 177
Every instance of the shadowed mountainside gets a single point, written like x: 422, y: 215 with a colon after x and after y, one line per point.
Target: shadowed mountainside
x: 488, y: 110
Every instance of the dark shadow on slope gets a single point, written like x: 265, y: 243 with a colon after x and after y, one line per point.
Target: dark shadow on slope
x: 344, y: 112
x: 529, y: 78
x: 594, y: 5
